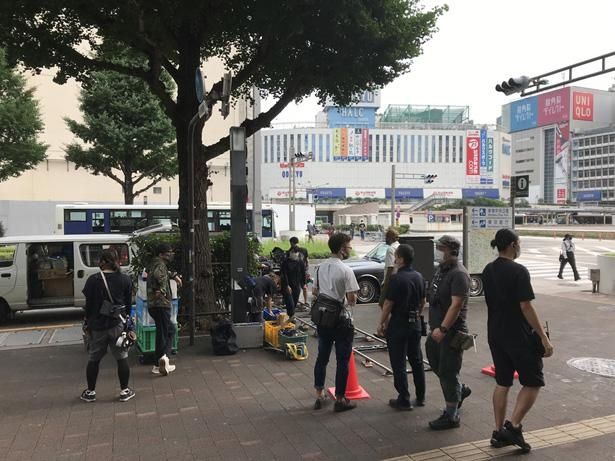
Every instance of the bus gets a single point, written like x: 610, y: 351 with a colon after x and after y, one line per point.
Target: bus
x: 125, y: 219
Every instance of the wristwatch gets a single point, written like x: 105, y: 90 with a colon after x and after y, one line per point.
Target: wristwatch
x: 443, y: 329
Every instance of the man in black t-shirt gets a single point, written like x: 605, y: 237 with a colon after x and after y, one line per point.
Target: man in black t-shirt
x: 448, y: 307
x: 265, y: 287
x: 516, y: 337
x: 103, y: 331
x: 400, y: 323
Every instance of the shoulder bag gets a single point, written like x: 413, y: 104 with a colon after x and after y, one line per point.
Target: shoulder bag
x: 108, y: 307
x: 325, y: 312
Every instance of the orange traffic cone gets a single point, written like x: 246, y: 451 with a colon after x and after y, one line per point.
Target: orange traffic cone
x: 353, y: 390
x: 490, y: 371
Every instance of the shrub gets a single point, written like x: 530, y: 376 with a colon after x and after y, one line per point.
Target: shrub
x: 220, y: 255
x: 2, y: 231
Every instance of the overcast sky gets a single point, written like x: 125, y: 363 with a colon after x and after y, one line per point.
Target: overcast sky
x: 481, y: 42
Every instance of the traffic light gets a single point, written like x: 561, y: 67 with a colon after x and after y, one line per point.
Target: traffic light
x: 429, y: 178
x: 513, y: 85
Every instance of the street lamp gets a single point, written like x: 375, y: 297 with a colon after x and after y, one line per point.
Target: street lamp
x: 293, y: 158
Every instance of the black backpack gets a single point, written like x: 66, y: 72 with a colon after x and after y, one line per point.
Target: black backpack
x: 223, y: 338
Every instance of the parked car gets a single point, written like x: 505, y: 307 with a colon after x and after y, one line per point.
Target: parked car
x: 369, y: 271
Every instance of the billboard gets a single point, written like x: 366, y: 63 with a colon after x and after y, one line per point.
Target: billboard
x: 365, y: 192
x: 283, y: 193
x: 483, y: 149
x: 490, y: 155
x: 350, y: 144
x: 475, y: 193
x: 561, y: 159
x: 524, y: 114
x: 554, y: 107
x: 473, y: 153
x: 329, y: 192
x: 582, y: 106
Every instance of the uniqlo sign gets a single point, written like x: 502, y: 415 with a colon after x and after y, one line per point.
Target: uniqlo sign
x: 473, y: 153
x: 582, y: 106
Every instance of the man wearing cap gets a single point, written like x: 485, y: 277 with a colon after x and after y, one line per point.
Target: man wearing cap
x: 448, y: 304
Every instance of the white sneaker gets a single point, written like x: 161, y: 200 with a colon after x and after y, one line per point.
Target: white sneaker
x: 155, y: 370
x: 170, y: 368
x: 163, y: 365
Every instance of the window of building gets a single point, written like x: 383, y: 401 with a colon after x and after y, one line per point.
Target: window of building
x: 549, y: 149
x: 278, y: 149
x: 391, y: 152
x: 312, y: 145
x: 405, y: 137
x: 370, y: 151
x: 384, y: 148
x: 426, y: 144
x: 412, y: 148
x: 433, y: 149
x: 419, y: 151
x: 285, y: 147
x: 328, y: 146
x: 157, y: 190
x: 440, y: 148
x: 320, y: 147
x: 447, y: 148
x: 454, y: 148
x: 460, y: 149
x: 266, y: 141
x: 398, y: 149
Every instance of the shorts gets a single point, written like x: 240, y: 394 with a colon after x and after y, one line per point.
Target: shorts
x: 524, y: 360
x: 99, y: 341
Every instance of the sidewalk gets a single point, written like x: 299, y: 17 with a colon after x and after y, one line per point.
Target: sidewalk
x: 256, y: 405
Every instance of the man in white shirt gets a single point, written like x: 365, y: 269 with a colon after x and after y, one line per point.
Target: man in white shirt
x: 392, y: 240
x: 337, y: 281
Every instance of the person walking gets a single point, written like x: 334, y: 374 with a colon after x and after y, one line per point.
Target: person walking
x: 159, y: 298
x: 104, y: 330
x: 362, y: 229
x: 352, y: 228
x: 567, y: 257
x: 448, y: 309
x: 516, y: 338
x: 336, y: 281
x: 311, y: 230
x: 400, y: 323
x: 293, y: 275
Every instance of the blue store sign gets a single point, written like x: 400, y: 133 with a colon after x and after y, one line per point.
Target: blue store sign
x: 330, y: 192
x: 476, y: 193
x: 404, y: 193
x: 589, y: 196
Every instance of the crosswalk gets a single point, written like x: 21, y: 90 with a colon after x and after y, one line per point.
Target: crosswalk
x: 548, y: 269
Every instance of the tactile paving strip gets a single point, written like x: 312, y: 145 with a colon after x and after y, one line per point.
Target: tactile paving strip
x: 542, y: 438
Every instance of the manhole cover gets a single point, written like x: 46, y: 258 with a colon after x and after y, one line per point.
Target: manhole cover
x: 602, y: 367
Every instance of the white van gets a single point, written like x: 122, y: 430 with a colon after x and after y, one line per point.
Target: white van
x: 38, y: 272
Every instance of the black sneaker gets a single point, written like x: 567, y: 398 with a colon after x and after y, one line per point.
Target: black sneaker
x: 498, y: 440
x: 343, y: 405
x: 126, y: 394
x: 88, y: 396
x: 419, y: 402
x: 321, y: 402
x: 444, y: 422
x: 465, y: 393
x: 560, y: 277
x: 515, y: 436
x: 401, y: 406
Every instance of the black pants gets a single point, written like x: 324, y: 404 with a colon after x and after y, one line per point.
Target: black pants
x: 405, y: 343
x: 342, y: 338
x: 291, y: 299
x: 573, y: 264
x: 165, y: 330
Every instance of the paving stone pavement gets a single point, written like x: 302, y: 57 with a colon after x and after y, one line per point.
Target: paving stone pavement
x: 256, y: 405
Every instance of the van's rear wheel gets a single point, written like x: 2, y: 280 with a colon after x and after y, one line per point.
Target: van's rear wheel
x: 476, y: 285
x: 5, y: 311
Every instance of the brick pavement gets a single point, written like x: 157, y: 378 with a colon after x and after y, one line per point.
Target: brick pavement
x: 256, y: 405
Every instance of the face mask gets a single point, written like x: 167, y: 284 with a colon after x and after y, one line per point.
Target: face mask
x: 517, y: 251
x: 439, y: 255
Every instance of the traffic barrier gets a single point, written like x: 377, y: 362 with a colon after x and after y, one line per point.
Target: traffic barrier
x: 354, y: 391
x: 490, y: 371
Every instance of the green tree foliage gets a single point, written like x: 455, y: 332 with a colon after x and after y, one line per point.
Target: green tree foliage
x: 288, y: 50
x: 479, y: 201
x: 20, y: 123
x: 132, y: 139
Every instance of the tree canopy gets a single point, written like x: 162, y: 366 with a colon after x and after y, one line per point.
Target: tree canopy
x: 20, y: 124
x: 287, y: 50
x: 131, y: 138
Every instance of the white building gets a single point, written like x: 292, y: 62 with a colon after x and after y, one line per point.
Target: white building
x: 353, y: 154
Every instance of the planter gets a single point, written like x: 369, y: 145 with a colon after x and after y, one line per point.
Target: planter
x: 606, y: 264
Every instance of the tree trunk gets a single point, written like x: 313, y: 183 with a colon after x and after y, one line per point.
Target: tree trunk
x: 187, y: 106
x: 128, y: 187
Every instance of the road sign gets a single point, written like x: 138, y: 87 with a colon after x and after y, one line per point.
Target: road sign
x: 521, y: 185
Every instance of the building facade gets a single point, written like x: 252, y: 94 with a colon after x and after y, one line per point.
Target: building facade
x: 352, y: 152
x: 593, y: 166
x: 542, y: 130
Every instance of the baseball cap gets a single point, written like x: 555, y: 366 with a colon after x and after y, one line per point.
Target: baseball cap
x: 449, y: 241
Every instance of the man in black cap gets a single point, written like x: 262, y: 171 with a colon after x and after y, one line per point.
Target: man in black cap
x: 448, y: 306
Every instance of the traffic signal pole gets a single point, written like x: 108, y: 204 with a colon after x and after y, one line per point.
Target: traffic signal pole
x: 428, y: 178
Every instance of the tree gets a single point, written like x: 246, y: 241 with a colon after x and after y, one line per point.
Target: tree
x: 20, y: 123
x: 287, y: 50
x: 131, y: 136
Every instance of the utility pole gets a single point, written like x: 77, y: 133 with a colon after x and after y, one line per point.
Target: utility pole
x: 393, y: 195
x: 291, y: 182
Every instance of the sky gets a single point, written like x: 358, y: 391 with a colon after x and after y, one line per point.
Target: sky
x: 482, y: 42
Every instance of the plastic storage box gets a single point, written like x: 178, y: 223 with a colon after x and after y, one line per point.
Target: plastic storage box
x: 249, y: 335
x: 146, y: 339
x: 272, y: 330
